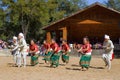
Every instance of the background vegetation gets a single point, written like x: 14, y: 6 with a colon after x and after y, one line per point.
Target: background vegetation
x: 30, y: 16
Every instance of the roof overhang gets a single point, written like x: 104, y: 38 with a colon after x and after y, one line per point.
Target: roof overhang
x: 80, y: 11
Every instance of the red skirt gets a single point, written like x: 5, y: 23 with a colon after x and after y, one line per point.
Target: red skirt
x: 112, y: 56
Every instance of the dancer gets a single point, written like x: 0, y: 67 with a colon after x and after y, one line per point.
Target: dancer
x: 47, y: 52
x: 55, y: 54
x: 15, y: 50
x: 23, y: 48
x: 85, y: 54
x: 34, y: 51
x: 65, y: 51
x: 108, y: 47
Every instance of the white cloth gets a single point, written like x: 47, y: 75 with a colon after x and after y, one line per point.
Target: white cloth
x: 107, y: 59
x: 14, y: 37
x: 107, y: 55
x: 71, y: 45
x: 24, y: 56
x: 21, y: 34
x: 107, y: 37
x: 88, y: 53
x: 15, y: 51
x: 37, y: 52
x: 18, y: 58
x: 23, y: 50
x: 109, y: 47
x: 15, y: 46
x: 22, y: 45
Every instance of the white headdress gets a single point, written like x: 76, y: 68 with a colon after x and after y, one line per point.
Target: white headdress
x: 107, y: 37
x: 14, y: 37
x: 21, y: 34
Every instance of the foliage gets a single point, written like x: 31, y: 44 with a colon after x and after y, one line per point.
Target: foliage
x: 29, y: 16
x: 115, y: 4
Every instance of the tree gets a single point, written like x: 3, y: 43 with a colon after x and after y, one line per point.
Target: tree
x: 53, y: 10
x: 2, y: 21
x: 115, y: 4
x: 62, y: 8
x: 71, y: 6
x: 29, y: 16
x: 2, y: 15
x: 24, y: 12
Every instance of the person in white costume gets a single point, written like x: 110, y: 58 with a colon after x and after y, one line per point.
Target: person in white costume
x: 15, y: 49
x: 22, y: 47
x: 108, y: 51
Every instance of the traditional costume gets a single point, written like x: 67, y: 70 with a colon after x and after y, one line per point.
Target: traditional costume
x: 86, y: 56
x: 65, y: 53
x: 108, y: 53
x: 23, y: 49
x: 15, y: 51
x: 34, y: 51
x: 54, y: 60
x: 47, y: 52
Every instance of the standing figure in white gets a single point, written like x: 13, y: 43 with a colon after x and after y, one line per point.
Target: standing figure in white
x: 23, y: 48
x: 108, y: 51
x: 15, y: 50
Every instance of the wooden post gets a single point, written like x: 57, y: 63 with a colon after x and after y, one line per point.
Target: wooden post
x: 65, y: 33
x: 48, y: 37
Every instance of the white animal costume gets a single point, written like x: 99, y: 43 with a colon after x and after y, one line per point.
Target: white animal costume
x: 23, y: 48
x: 108, y: 47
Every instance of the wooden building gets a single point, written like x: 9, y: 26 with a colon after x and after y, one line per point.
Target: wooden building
x: 94, y: 21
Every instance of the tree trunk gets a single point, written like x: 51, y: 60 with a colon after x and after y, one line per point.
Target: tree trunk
x: 24, y: 26
x: 25, y: 29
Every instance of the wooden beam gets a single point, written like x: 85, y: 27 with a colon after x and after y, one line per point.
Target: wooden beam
x: 65, y: 33
x: 61, y: 28
x: 48, y: 37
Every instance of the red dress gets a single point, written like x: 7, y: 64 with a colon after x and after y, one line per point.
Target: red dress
x: 87, y: 46
x: 47, y: 46
x: 54, y: 46
x: 34, y: 48
x: 65, y: 47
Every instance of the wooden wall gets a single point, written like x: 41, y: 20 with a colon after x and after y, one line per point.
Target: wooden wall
x: 93, y: 22
x: 76, y: 33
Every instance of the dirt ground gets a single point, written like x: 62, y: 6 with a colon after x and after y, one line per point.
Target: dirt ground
x: 63, y: 72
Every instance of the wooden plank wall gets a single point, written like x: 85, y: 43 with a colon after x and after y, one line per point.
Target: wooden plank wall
x: 76, y: 33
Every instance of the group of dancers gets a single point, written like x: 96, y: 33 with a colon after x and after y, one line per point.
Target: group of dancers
x: 53, y: 52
